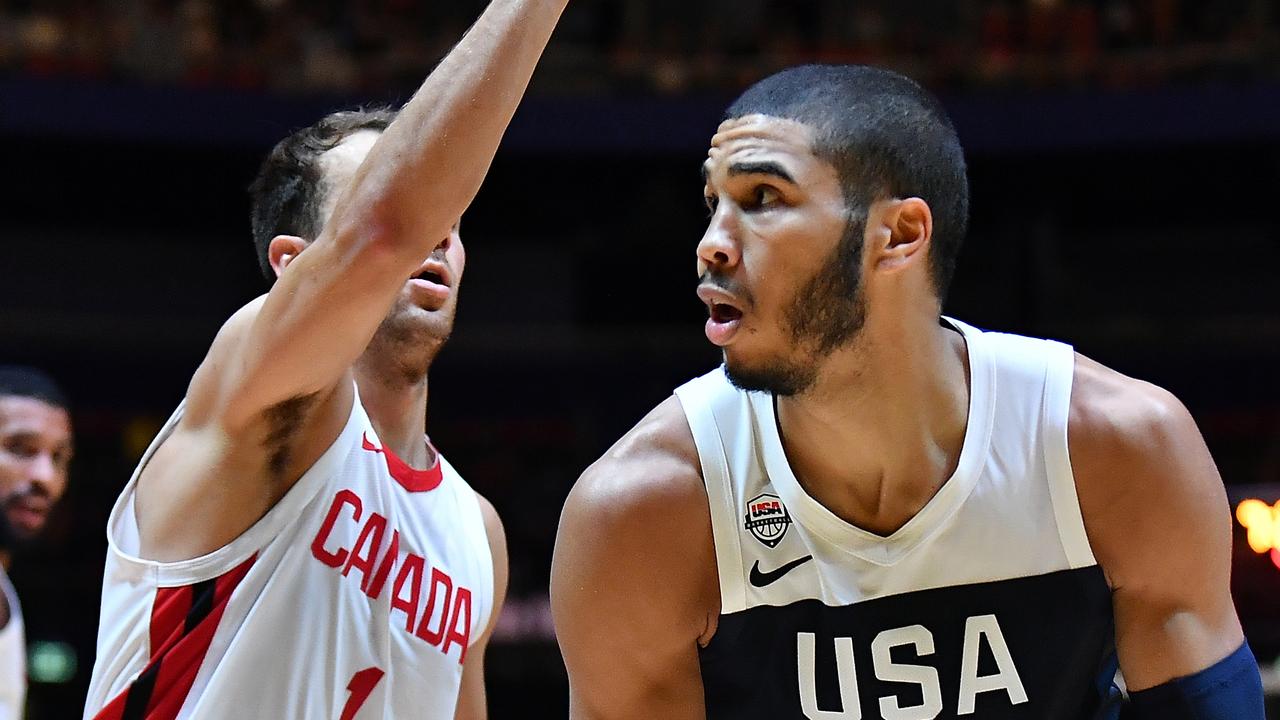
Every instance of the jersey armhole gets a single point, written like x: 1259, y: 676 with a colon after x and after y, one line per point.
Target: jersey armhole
x: 1056, y: 406
x: 696, y: 402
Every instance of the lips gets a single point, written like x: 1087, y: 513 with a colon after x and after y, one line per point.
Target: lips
x: 28, y: 512
x: 431, y: 284
x: 725, y: 314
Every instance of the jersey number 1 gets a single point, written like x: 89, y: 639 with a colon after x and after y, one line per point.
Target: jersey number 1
x: 361, y: 685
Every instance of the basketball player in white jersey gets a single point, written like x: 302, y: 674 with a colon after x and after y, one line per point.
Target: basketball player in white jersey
x: 874, y: 512
x: 35, y: 452
x: 292, y: 546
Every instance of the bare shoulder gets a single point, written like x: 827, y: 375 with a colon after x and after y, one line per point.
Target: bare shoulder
x: 1127, y: 435
x: 208, y: 381
x: 653, y: 469
x: 230, y: 463
x: 1114, y: 413
x: 634, y: 589
x: 1142, y: 467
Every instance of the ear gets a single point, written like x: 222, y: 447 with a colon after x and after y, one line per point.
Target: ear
x: 906, y: 228
x: 283, y: 250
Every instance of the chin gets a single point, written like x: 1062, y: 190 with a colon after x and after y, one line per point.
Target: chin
x: 775, y: 376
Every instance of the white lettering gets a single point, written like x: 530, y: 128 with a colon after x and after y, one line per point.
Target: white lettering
x: 975, y: 629
x: 922, y: 675
x: 851, y: 706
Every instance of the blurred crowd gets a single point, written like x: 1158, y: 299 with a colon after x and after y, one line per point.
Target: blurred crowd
x: 348, y: 47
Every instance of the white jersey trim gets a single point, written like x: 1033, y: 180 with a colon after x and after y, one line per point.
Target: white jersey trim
x: 484, y: 614
x: 697, y: 404
x: 1059, y: 375
x: 214, y: 564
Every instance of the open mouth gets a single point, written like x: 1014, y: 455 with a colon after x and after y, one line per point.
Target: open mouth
x: 430, y: 286
x: 431, y: 277
x: 724, y: 313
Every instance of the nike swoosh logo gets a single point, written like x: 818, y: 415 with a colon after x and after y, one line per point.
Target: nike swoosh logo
x: 764, y: 579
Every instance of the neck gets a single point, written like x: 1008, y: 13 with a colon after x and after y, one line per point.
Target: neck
x: 6, y: 559
x: 880, y: 431
x: 397, y: 407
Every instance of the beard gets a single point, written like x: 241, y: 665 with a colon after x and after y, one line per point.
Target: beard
x: 12, y: 538
x: 825, y: 314
x: 408, y: 340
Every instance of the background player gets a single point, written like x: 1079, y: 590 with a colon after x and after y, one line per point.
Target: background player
x: 291, y: 545
x: 35, y: 453
x: 894, y: 525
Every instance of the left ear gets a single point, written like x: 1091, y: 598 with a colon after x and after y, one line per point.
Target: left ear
x: 906, y: 227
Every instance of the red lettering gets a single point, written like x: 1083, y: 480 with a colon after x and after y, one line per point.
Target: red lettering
x: 438, y: 580
x: 334, y: 559
x: 412, y: 569
x: 374, y: 588
x: 463, y: 638
x: 366, y: 548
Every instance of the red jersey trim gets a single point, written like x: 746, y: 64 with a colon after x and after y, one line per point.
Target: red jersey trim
x: 409, y: 478
x: 183, y: 623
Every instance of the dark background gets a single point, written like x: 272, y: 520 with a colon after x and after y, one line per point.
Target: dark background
x: 1124, y: 162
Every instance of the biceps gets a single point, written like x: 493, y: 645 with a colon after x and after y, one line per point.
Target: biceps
x: 1158, y: 640
x: 621, y: 687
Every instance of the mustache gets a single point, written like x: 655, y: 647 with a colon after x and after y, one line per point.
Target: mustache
x: 726, y: 284
x: 32, y: 490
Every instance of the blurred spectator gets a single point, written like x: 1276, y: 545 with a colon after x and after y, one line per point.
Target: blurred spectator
x: 659, y: 46
x: 35, y: 450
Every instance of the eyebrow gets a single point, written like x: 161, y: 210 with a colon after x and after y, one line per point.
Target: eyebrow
x: 763, y: 167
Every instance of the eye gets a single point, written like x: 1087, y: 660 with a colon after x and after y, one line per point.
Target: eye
x: 712, y: 203
x: 764, y: 196
x: 21, y: 449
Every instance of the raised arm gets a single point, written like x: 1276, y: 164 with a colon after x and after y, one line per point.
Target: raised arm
x: 1158, y: 520
x: 275, y: 388
x: 633, y: 580
x: 405, y: 197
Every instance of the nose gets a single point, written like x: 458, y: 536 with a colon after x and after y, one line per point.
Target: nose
x: 44, y: 472
x: 718, y: 250
x: 444, y: 244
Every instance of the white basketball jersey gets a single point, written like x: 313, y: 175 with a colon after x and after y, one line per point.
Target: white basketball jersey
x: 13, y: 656
x: 356, y: 596
x: 988, y: 603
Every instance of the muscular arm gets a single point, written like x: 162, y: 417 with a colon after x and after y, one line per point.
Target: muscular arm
x: 633, y: 581
x: 280, y: 366
x: 1158, y: 520
x: 472, y: 704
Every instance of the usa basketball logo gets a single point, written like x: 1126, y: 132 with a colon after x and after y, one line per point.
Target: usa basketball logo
x: 767, y: 519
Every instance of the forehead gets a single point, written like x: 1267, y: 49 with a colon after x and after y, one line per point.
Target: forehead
x: 22, y: 415
x: 757, y: 137
x: 339, y: 163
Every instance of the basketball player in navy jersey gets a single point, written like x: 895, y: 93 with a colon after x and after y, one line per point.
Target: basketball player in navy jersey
x: 872, y: 511
x: 292, y: 545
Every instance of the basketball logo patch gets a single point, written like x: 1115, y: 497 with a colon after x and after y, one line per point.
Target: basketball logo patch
x: 767, y: 519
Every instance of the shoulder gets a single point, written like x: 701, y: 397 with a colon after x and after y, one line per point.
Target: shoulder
x: 1124, y: 418
x: 208, y: 383
x: 650, y: 474
x: 1141, y: 468
x: 638, y: 518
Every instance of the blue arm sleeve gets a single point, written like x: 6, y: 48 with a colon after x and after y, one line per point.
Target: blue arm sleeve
x: 1228, y: 690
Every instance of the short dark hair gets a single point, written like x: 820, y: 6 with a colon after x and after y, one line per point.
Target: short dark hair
x: 28, y: 382
x: 886, y: 137
x: 288, y: 192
